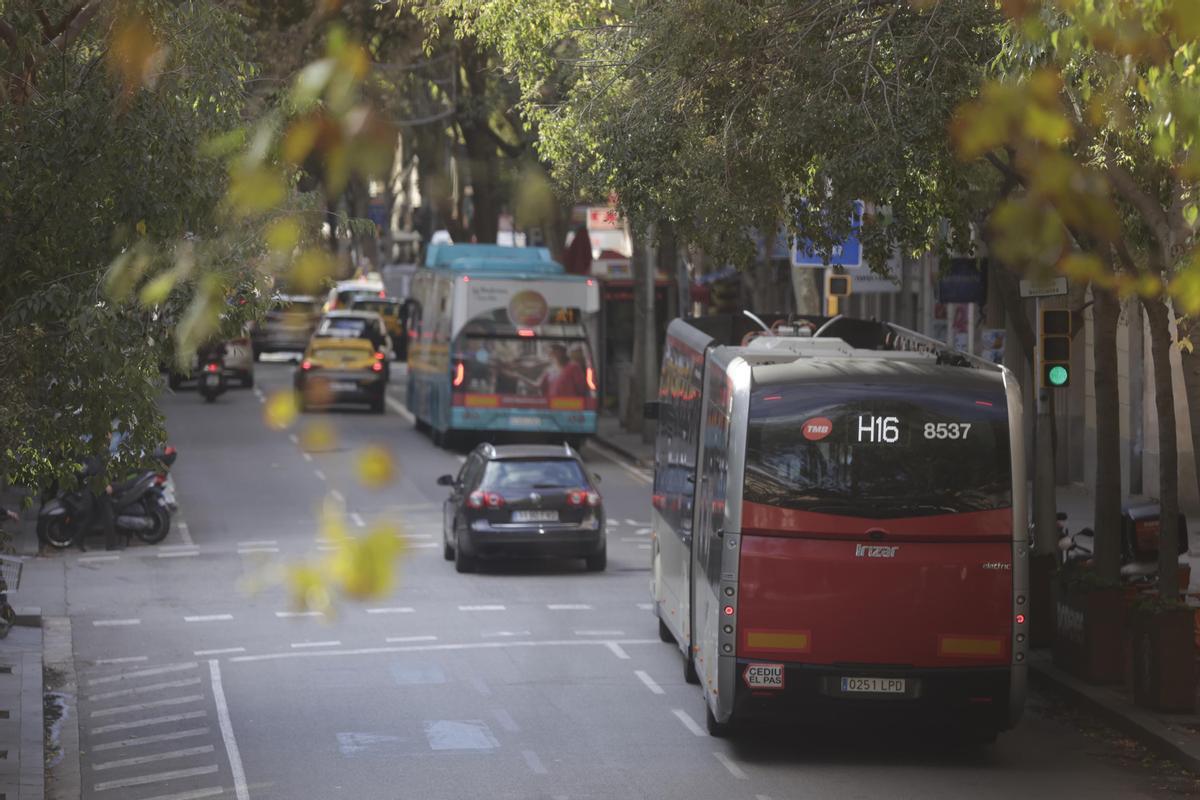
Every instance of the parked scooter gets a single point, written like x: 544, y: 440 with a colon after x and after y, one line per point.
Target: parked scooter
x: 212, y: 379
x: 139, y: 509
x: 1139, y: 564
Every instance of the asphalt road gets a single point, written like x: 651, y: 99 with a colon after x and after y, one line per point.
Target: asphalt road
x: 526, y: 680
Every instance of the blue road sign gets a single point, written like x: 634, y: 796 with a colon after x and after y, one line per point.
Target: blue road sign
x: 847, y: 253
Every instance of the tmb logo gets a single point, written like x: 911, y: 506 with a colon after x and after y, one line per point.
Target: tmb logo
x: 817, y: 428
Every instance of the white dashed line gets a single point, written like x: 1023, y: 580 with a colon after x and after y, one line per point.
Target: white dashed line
x: 337, y: 496
x: 154, y: 687
x: 643, y: 547
x: 687, y: 721
x: 630, y: 522
x: 95, y: 559
x: 646, y: 606
x: 134, y: 708
x: 320, y: 474
x: 299, y: 645
x: 569, y: 607
x: 220, y: 652
x: 259, y: 543
x: 139, y: 760
x: 209, y: 618
x: 504, y: 634
x: 185, y: 533
x: 651, y: 684
x: 481, y: 608
x: 422, y: 545
x: 297, y: 614
x: 402, y: 639
x: 307, y: 457
x: 158, y: 777
x: 293, y: 438
x: 535, y: 763
x: 733, y: 768
x: 417, y: 536
x: 762, y: 797
x: 391, y: 610
x: 429, y: 648
x: 249, y: 551
x: 125, y: 660
x: 617, y: 650
x: 506, y: 721
x: 238, y: 772
x: 599, y: 633
x: 112, y: 623
x: 174, y: 736
x: 145, y: 723
x: 179, y: 554
x: 398, y: 407
x: 143, y: 673
x: 357, y: 519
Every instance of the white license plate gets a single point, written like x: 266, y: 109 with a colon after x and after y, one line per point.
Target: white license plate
x: 344, y: 386
x: 763, y: 676
x: 212, y: 380
x: 526, y: 422
x: 874, y: 685
x: 535, y: 516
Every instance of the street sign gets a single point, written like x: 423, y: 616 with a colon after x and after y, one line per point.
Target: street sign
x: 964, y: 282
x: 847, y: 253
x: 1044, y: 288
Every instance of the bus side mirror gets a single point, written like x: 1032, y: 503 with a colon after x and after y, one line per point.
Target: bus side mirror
x: 650, y: 410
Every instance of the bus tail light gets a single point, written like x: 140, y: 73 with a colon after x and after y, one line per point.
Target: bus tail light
x: 728, y: 611
x: 377, y: 366
x: 591, y: 379
x: 460, y: 373
x: 1020, y: 619
x: 526, y: 332
x: 383, y: 293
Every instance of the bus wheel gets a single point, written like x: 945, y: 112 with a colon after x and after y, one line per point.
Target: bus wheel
x: 689, y: 668
x: 718, y: 729
x: 664, y: 633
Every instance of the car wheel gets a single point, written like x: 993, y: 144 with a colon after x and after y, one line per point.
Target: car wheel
x: 598, y: 561
x: 664, y: 633
x: 462, y: 562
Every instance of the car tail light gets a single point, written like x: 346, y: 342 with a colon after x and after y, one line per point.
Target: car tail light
x: 214, y: 367
x: 591, y: 379
x: 377, y: 366
x: 306, y: 365
x: 593, y: 499
x: 576, y: 497
x: 482, y: 499
x: 378, y: 356
x: 475, y: 500
x: 382, y: 293
x: 160, y: 479
x: 493, y: 500
x: 460, y: 374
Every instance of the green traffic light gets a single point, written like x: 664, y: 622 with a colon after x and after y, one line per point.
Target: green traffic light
x: 1058, y: 375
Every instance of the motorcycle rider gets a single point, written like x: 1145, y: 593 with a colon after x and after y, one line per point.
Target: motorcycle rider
x: 98, y: 505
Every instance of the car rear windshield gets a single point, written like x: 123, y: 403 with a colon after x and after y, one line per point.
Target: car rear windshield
x: 879, y: 450
x: 380, y: 306
x: 533, y: 473
x: 345, y: 328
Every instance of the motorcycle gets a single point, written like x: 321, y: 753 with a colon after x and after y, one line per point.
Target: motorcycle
x: 140, y: 508
x: 212, y: 380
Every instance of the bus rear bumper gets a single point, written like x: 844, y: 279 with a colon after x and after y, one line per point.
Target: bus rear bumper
x: 523, y: 419
x: 977, y: 697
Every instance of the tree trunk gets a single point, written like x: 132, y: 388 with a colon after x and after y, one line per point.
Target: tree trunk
x: 1106, y: 313
x: 1168, y: 459
x: 1191, y: 382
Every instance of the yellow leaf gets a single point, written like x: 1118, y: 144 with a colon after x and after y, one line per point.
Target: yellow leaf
x: 376, y: 468
x: 141, y: 227
x: 1186, y: 344
x: 283, y: 235
x: 255, y: 190
x: 135, y: 54
x: 157, y: 290
x: 1184, y: 289
x: 310, y: 270
x: 318, y: 437
x: 1081, y: 267
x: 281, y: 409
x: 299, y: 139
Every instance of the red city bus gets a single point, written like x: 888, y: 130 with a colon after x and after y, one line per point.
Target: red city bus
x: 836, y: 530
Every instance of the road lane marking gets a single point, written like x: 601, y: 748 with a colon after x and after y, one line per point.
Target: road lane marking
x: 687, y: 721
x: 170, y: 701
x: 259, y: 543
x: 143, y: 673
x: 399, y: 639
x: 209, y: 618
x: 733, y: 768
x: 606, y: 453
x: 398, y: 407
x: 157, y: 777
x: 138, y: 741
x: 195, y: 794
x: 357, y: 519
x: 504, y: 634
x: 535, y: 763
x: 307, y: 457
x: 112, y: 623
x: 481, y: 685
x: 297, y: 614
x: 506, y: 721
x: 646, y: 606
x: 337, y: 496
x: 185, y: 533
x: 632, y: 523
x: 651, y: 684
x: 628, y: 539
x: 617, y: 650
x: 569, y: 607
x: 332, y: 643
x: 179, y: 554
x: 95, y: 559
x: 249, y: 551
x: 416, y: 535
x: 599, y: 633
x: 219, y: 652
x: 320, y: 474
x: 643, y: 547
x: 154, y: 687
x: 231, y: 748
x: 391, y: 610
x: 422, y: 545
x: 431, y: 648
x: 293, y: 438
x: 125, y: 660
x: 139, y: 760
x: 481, y: 608
x: 145, y: 723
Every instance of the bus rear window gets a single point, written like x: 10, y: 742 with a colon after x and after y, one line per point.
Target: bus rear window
x: 532, y: 366
x: 880, y: 450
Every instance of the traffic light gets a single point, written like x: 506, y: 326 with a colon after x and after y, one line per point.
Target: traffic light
x: 1056, y: 348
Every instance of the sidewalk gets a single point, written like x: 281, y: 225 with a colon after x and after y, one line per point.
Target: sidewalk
x: 1174, y: 736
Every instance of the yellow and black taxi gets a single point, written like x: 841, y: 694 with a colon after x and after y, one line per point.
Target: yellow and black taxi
x: 395, y: 318
x: 345, y: 362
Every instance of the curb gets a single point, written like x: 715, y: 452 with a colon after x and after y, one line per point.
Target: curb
x: 1141, y: 725
x: 623, y: 453
x: 63, y: 781
x: 27, y: 616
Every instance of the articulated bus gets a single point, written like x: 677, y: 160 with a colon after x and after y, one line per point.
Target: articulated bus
x: 501, y: 339
x: 839, y: 524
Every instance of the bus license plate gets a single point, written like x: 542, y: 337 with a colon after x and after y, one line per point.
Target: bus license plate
x: 525, y: 422
x: 873, y: 685
x: 344, y: 386
x: 535, y: 516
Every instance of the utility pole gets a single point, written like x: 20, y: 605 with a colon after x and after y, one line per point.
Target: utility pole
x: 649, y: 329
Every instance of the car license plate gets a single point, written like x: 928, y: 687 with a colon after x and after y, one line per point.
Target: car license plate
x: 525, y: 422
x: 535, y: 516
x: 212, y: 380
x: 874, y: 685
x: 344, y: 386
